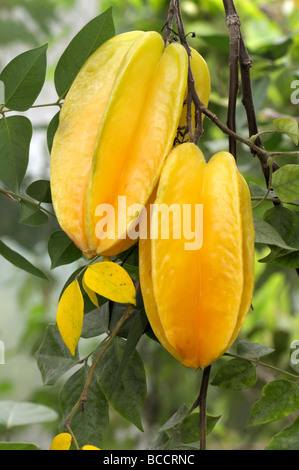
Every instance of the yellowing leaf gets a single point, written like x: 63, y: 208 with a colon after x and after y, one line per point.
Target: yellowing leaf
x: 87, y: 447
x: 288, y: 126
x: 111, y: 281
x: 90, y: 294
x: 69, y: 315
x: 61, y: 442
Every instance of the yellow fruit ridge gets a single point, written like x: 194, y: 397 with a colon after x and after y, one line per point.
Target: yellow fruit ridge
x: 75, y: 138
x: 137, y: 131
x: 197, y: 300
x: 146, y: 283
x: 117, y: 125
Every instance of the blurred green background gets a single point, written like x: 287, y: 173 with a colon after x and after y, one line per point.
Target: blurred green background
x: 27, y: 304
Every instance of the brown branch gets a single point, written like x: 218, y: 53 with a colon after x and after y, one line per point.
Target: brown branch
x: 247, y: 100
x: 261, y: 153
x: 199, y: 106
x: 233, y: 23
x: 18, y: 198
x: 168, y: 25
x: 198, y: 129
x: 83, y: 397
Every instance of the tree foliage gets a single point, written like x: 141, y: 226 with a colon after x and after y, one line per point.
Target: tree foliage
x: 134, y: 383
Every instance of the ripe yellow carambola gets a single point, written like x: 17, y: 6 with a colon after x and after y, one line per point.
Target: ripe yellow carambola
x: 117, y: 125
x: 196, y: 301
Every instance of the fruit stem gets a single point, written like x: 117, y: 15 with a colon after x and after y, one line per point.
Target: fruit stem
x: 202, y: 402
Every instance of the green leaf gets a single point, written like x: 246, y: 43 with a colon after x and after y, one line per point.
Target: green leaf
x: 251, y: 350
x: 159, y: 442
x: 17, y: 446
x: 287, y: 439
x: 20, y: 414
x: 288, y: 126
x: 286, y: 223
x: 117, y: 310
x: 31, y: 215
x: 190, y: 430
x: 256, y: 190
x: 275, y: 49
x: 290, y: 260
x: 236, y: 374
x: 19, y: 261
x: 53, y: 357
x: 130, y: 256
x: 285, y: 183
x: 40, y: 191
x: 267, y: 234
x: 62, y: 250
x: 260, y: 88
x: 24, y: 78
x: 219, y: 41
x: 132, y: 270
x: 137, y: 328
x: 95, y: 322
x: 87, y: 41
x: 15, y: 31
x: 52, y: 128
x: 175, y: 419
x: 279, y: 398
x: 91, y: 426
x: 130, y: 392
x: 15, y: 138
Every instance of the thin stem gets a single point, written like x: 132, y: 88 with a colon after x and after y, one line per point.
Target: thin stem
x: 58, y: 103
x: 262, y: 154
x: 269, y: 186
x: 273, y: 199
x: 18, y: 197
x: 254, y: 137
x: 84, y: 268
x: 73, y: 437
x: 83, y: 397
x: 263, y: 364
x: 289, y: 154
x: 203, y: 407
x: 201, y: 396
